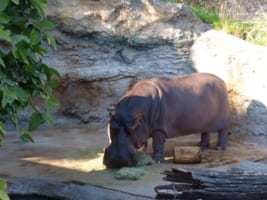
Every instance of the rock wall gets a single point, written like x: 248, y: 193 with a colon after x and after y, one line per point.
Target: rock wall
x: 106, y: 45
x: 243, y: 67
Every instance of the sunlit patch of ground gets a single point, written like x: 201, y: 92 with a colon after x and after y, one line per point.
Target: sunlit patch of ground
x: 79, y: 164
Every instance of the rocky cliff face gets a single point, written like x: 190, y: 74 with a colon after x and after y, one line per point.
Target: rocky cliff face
x: 105, y: 45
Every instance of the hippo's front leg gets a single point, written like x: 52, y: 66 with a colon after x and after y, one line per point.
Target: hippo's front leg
x: 205, y: 139
x: 222, y: 139
x: 158, y: 141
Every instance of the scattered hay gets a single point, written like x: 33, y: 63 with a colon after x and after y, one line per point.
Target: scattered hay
x: 135, y: 173
x: 144, y: 159
x: 129, y: 173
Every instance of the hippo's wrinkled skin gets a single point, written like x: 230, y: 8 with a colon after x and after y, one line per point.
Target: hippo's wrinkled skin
x: 163, y: 108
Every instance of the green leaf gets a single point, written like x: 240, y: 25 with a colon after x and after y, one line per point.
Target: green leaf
x: 50, y: 71
x: 18, y: 38
x: 54, y: 83
x: 14, y: 118
x: 35, y: 57
x: 2, y: 62
x: 15, y: 2
x: 15, y: 53
x: 4, y: 19
x: 3, y: 195
x: 5, y: 35
x: 26, y: 137
x: 52, y: 103
x: 40, y: 6
x: 9, y: 96
x: 51, y: 41
x: 3, y: 4
x: 45, y: 25
x: 2, y: 134
x: 3, y: 185
x: 35, y: 121
x: 48, y: 118
x: 41, y: 51
x: 9, y: 82
x: 22, y: 95
x: 23, y: 55
x: 3, y: 188
x: 35, y: 37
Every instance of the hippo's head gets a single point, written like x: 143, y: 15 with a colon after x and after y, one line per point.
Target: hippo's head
x: 127, y: 133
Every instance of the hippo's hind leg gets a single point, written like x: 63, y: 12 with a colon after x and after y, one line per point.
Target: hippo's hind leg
x: 158, y: 141
x: 222, y: 139
x: 205, y: 139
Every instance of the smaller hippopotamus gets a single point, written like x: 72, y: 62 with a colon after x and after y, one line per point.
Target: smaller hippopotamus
x: 163, y: 108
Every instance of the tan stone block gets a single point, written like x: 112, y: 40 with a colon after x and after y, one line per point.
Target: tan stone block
x: 187, y: 154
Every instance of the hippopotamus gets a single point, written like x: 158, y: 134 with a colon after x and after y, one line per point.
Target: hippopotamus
x: 161, y: 108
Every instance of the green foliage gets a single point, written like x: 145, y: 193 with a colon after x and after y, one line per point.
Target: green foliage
x: 3, y: 188
x: 24, y: 30
x: 254, y: 31
x: 207, y: 16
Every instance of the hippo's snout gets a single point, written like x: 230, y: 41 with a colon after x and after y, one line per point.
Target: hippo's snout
x: 113, y: 160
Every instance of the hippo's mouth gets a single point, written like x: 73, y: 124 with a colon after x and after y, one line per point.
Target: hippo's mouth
x: 139, y: 145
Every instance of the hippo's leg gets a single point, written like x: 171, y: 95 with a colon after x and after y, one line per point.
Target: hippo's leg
x: 205, y: 139
x: 158, y: 140
x: 222, y: 139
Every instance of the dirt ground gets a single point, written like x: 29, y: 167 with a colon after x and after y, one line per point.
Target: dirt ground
x: 75, y: 155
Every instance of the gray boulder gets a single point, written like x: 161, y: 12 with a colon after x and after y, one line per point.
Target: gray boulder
x: 243, y: 66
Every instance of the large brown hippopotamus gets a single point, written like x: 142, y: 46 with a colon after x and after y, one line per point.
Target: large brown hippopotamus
x: 164, y: 108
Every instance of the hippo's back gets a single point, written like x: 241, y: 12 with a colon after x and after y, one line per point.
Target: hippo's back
x: 192, y: 104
